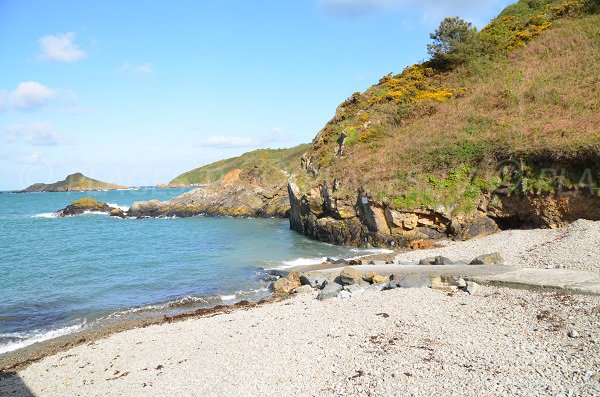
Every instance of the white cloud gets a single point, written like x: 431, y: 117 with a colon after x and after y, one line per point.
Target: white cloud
x: 3, y: 100
x: 30, y: 95
x: 428, y: 9
x: 29, y: 158
x: 224, y: 141
x: 276, y: 135
x: 136, y: 70
x: 60, y: 48
x: 38, y: 134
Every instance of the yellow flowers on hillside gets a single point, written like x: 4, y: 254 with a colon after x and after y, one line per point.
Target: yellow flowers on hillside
x: 413, y: 84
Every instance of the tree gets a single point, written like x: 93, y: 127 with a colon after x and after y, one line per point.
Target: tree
x: 454, y: 42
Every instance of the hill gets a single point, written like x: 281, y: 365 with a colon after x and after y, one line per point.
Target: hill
x: 73, y: 183
x: 283, y: 159
x: 498, y: 129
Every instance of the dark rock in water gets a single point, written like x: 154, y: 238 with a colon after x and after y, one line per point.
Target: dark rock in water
x: 337, y: 261
x: 488, y: 259
x: 355, y: 262
x: 83, y: 205
x: 330, y: 290
x: 277, y: 272
x: 480, y: 227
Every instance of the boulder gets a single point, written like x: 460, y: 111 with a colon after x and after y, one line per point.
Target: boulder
x: 313, y: 279
x: 420, y: 245
x: 480, y: 227
x: 305, y: 289
x: 427, y: 261
x: 350, y: 275
x: 414, y: 281
x: 354, y: 289
x: 472, y: 287
x: 86, y: 204
x: 442, y: 261
x: 117, y: 212
x: 329, y: 290
x: 488, y: 259
x: 343, y: 294
x: 287, y: 284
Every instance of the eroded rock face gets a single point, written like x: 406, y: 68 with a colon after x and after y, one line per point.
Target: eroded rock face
x: 84, y: 205
x: 238, y: 194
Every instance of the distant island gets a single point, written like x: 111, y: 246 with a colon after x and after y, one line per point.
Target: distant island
x: 73, y: 183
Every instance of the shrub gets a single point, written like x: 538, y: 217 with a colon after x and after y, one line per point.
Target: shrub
x: 454, y: 42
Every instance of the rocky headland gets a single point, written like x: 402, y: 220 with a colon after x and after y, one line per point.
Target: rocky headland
x: 73, y: 183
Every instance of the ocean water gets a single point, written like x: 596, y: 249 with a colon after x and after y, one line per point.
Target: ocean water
x: 59, y: 275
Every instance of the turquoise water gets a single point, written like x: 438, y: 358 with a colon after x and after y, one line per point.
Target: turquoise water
x: 58, y: 275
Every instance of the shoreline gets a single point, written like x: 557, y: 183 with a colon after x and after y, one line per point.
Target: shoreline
x: 21, y: 358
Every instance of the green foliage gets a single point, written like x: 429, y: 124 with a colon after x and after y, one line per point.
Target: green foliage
x: 454, y: 42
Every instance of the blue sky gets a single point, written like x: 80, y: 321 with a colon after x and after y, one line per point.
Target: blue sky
x: 137, y: 92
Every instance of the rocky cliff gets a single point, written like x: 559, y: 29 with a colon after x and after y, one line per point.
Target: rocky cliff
x: 507, y: 138
x: 241, y: 193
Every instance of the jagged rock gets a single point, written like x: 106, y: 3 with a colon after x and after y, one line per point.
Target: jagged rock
x: 454, y: 228
x: 461, y: 283
x: 488, y: 259
x: 330, y: 290
x: 406, y: 221
x: 287, y: 284
x: 349, y: 275
x: 277, y: 272
x: 343, y: 294
x: 374, y: 278
x: 480, y: 227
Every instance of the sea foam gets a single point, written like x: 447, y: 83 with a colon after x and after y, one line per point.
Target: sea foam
x: 21, y: 340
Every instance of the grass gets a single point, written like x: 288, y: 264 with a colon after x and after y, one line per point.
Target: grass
x: 537, y: 102
x: 264, y: 160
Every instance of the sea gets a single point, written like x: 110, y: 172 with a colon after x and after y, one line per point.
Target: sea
x: 62, y: 275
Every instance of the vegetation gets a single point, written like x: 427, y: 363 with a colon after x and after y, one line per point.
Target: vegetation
x: 261, y: 160
x: 525, y: 87
x: 73, y: 182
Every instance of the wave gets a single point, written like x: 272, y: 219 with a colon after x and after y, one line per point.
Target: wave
x: 301, y: 262
x: 47, y: 215
x: 19, y: 340
x: 124, y: 208
x: 227, y: 297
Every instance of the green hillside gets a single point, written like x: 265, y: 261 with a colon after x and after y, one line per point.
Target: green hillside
x: 526, y: 87
x: 72, y: 183
x: 282, y: 159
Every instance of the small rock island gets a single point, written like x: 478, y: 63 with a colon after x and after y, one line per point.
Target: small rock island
x: 73, y: 183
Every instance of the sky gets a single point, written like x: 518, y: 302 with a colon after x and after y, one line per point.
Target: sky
x: 137, y: 92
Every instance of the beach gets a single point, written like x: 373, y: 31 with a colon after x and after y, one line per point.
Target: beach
x: 399, y: 342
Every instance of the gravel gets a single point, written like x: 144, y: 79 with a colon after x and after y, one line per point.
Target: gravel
x: 574, y: 247
x: 403, y: 342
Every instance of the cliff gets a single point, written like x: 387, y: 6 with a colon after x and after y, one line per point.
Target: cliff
x: 501, y: 132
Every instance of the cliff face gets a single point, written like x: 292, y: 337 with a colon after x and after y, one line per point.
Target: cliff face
x: 240, y: 193
x: 507, y: 139
x: 73, y: 183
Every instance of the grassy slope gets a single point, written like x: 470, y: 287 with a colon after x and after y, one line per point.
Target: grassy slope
x: 423, y: 138
x: 76, y: 181
x: 265, y: 159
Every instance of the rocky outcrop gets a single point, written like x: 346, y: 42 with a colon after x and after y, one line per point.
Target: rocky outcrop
x: 363, y: 221
x: 84, y: 205
x: 73, y: 183
x: 240, y: 193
